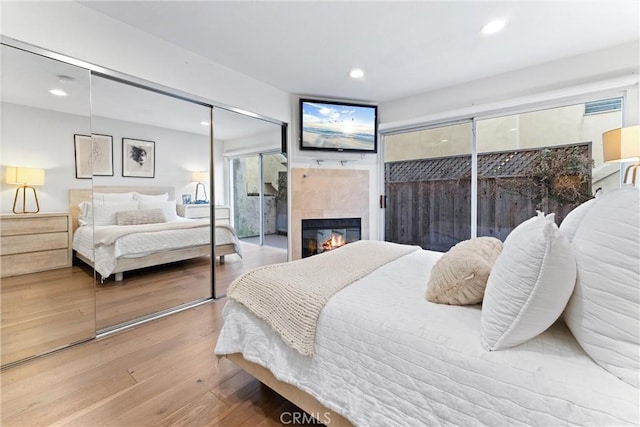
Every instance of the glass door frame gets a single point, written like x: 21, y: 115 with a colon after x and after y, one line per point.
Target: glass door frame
x: 261, y: 199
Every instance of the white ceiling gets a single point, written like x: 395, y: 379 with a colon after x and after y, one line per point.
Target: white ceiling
x: 26, y: 80
x: 405, y: 48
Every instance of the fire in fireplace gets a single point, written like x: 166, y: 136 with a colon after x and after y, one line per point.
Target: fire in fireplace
x: 321, y: 235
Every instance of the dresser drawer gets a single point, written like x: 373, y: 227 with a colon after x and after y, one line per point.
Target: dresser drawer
x: 10, y: 245
x: 13, y: 265
x: 34, y: 242
x: 34, y: 225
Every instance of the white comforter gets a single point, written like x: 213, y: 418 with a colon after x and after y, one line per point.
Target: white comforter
x: 387, y: 357
x: 136, y: 245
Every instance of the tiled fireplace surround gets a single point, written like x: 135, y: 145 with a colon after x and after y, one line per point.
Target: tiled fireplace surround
x: 327, y: 193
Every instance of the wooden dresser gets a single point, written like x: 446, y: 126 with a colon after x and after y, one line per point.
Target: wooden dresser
x: 34, y: 242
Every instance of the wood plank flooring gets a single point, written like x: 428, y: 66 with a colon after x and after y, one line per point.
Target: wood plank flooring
x: 159, y: 373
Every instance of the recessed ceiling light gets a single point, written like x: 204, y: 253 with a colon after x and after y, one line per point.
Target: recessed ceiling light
x: 356, y: 73
x: 62, y: 78
x: 493, y: 27
x: 58, y: 92
x: 445, y: 140
x: 204, y: 123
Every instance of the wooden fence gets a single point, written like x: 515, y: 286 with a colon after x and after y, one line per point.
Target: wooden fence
x: 429, y: 200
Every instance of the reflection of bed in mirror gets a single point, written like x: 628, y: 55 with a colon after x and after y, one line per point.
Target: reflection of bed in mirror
x: 110, y: 248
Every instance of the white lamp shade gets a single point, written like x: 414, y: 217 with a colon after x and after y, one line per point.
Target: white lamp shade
x: 200, y: 177
x: 622, y: 145
x: 24, y: 176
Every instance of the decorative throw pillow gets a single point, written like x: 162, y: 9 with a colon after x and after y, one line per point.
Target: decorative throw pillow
x: 164, y: 197
x: 604, y: 311
x: 106, y: 214
x: 460, y: 276
x: 141, y: 216
x: 168, y: 208
x: 529, y: 285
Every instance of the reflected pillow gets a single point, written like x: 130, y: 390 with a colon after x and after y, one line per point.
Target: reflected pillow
x: 140, y: 216
x: 168, y: 208
x: 106, y: 214
x: 113, y: 197
x: 102, y: 213
x: 164, y: 197
x: 460, y: 276
x: 529, y: 285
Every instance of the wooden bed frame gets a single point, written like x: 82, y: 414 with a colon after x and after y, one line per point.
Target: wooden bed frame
x: 301, y: 399
x: 77, y: 196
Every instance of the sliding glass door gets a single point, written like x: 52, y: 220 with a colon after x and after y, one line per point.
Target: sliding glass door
x: 260, y: 199
x: 428, y: 186
x: 549, y: 160
x: 440, y: 190
x: 161, y: 148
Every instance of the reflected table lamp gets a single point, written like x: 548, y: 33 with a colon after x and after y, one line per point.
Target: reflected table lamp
x: 26, y: 178
x: 200, y: 178
x: 623, y: 145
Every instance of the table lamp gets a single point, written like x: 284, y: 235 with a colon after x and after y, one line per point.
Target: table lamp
x: 200, y: 178
x: 26, y: 178
x: 623, y: 145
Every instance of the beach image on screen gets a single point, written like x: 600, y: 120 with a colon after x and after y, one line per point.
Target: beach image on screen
x: 335, y: 126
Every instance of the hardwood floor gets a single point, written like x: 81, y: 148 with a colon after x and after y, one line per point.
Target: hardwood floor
x: 44, y: 311
x: 159, y: 373
x: 153, y: 289
x: 253, y: 256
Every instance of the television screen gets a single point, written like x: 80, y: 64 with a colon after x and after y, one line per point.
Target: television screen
x: 338, y: 126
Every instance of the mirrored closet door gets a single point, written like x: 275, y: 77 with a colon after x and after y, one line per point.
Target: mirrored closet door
x: 46, y: 302
x: 159, y: 256
x: 251, y: 152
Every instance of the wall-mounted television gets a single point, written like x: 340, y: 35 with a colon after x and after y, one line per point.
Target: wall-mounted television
x: 338, y: 126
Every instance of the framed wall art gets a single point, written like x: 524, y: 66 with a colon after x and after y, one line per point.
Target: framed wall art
x: 94, y: 155
x: 138, y: 158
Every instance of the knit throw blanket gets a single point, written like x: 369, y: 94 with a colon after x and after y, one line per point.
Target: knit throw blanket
x: 290, y: 296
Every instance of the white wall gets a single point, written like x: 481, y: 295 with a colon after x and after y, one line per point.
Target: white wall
x: 51, y: 147
x: 622, y: 60
x: 220, y: 167
x: 71, y: 29
x: 177, y: 154
x: 33, y: 137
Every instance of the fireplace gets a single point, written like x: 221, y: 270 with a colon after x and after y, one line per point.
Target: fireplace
x: 321, y: 235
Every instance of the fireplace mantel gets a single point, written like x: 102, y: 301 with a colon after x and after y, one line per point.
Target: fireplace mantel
x: 327, y: 193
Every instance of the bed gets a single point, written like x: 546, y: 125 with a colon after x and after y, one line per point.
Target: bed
x: 383, y: 355
x: 112, y: 249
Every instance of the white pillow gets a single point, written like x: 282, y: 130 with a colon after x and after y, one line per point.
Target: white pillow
x: 86, y: 213
x: 113, y: 197
x: 164, y: 197
x: 168, y: 208
x: 106, y: 214
x: 604, y: 311
x: 572, y: 221
x: 529, y: 285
